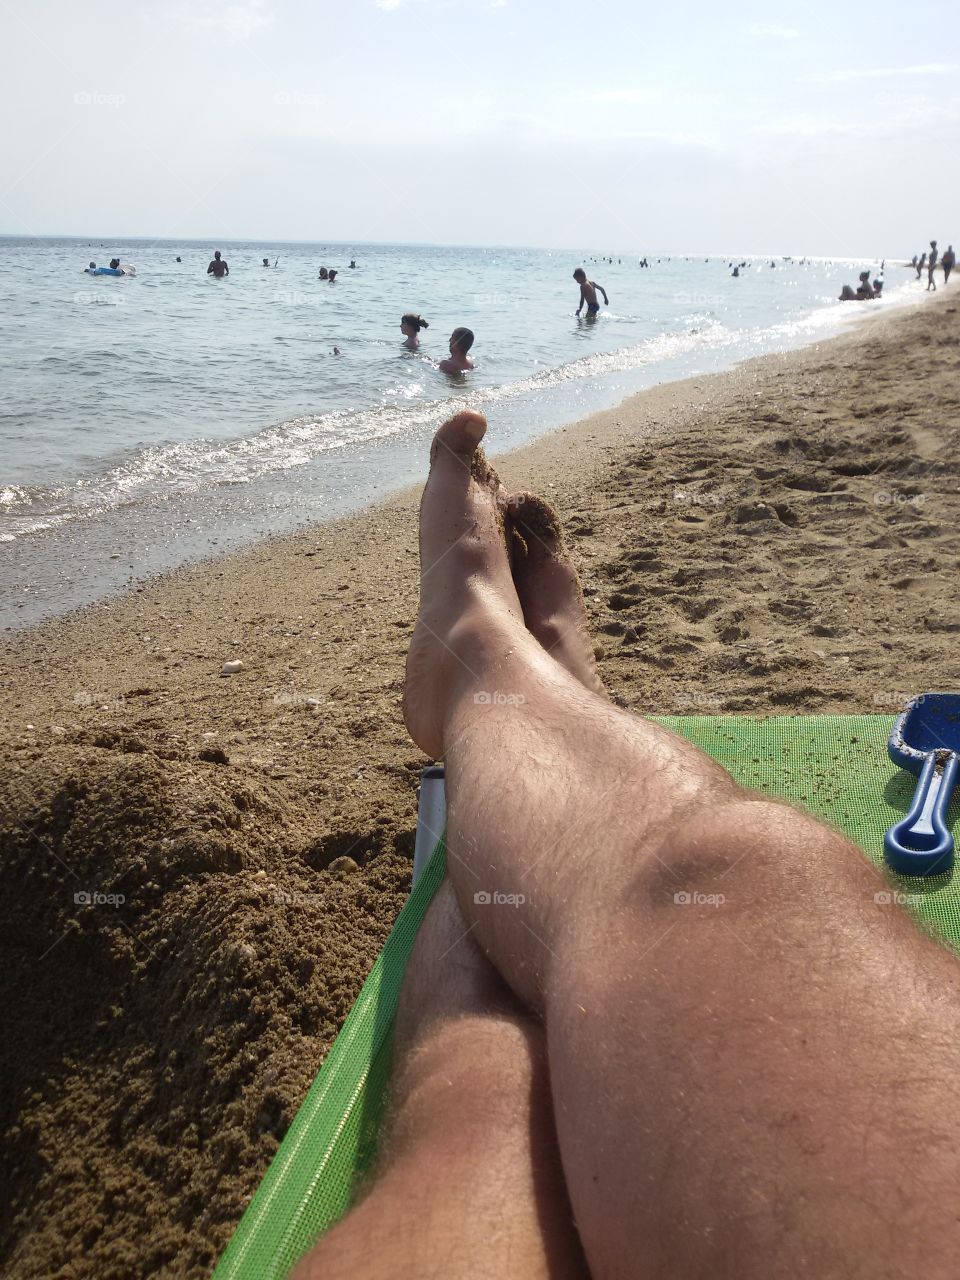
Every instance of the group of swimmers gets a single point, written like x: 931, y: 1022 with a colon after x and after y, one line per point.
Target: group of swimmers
x: 461, y: 340
x: 929, y: 261
x: 114, y: 269
x: 864, y: 290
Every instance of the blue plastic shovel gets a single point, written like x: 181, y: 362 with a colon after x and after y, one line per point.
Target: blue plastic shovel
x: 925, y: 741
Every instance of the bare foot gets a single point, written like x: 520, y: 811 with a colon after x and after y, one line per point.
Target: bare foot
x: 469, y: 610
x: 548, y: 587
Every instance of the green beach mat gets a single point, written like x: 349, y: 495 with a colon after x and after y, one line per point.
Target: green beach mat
x: 834, y: 766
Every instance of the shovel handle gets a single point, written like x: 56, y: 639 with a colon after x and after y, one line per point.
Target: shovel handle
x: 920, y: 844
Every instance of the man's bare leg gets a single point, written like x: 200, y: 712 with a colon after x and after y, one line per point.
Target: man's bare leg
x: 441, y: 1203
x: 759, y: 1087
x: 469, y: 1183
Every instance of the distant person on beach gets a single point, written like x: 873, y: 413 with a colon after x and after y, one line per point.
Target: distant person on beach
x: 266, y: 262
x: 588, y: 293
x: 352, y: 263
x: 410, y: 326
x: 920, y: 265
x: 931, y: 264
x: 948, y: 261
x: 323, y: 274
x: 179, y: 259
x: 913, y: 263
x: 218, y: 267
x: 735, y: 271
x: 461, y: 340
x: 332, y: 275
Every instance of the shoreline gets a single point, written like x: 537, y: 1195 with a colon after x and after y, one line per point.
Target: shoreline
x: 116, y: 583
x: 776, y: 539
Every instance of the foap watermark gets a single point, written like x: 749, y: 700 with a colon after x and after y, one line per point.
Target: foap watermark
x: 693, y: 898
x: 286, y: 98
x: 697, y: 299
x: 493, y: 898
x: 700, y: 498
x: 293, y: 298
x: 894, y: 898
x: 103, y: 701
x: 495, y: 300
x: 285, y: 898
x: 895, y: 498
x: 895, y: 698
x: 93, y: 898
x: 697, y: 699
x: 84, y: 299
x: 496, y: 698
x: 95, y: 98
x: 296, y: 698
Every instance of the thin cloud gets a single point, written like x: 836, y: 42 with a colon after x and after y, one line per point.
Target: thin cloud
x: 882, y: 73
x: 388, y: 4
x: 771, y: 31
x: 239, y: 19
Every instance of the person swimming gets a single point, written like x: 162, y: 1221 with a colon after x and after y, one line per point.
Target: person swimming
x: 588, y: 293
x: 324, y: 274
x: 332, y: 275
x: 218, y: 267
x: 461, y: 340
x: 410, y: 326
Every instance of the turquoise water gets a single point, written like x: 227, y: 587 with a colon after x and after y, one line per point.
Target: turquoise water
x: 149, y: 420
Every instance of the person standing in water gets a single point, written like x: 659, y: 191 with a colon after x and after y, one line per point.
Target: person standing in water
x: 461, y: 340
x: 947, y: 262
x: 410, y: 326
x: 588, y: 293
x: 218, y: 267
x: 931, y: 263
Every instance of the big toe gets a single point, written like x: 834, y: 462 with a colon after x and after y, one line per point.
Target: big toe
x: 455, y: 443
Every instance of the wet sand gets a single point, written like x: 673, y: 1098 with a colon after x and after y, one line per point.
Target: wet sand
x: 779, y: 539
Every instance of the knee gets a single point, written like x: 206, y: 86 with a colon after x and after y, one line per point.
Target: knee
x: 744, y: 840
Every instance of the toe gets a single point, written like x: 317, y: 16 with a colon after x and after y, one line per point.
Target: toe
x: 548, y: 587
x: 456, y: 441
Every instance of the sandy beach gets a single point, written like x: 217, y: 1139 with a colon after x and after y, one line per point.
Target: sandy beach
x: 779, y: 539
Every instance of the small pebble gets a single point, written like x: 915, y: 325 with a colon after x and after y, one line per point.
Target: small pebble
x: 343, y: 866
x: 231, y: 668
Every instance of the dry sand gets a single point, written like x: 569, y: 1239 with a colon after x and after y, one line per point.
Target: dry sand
x: 781, y: 538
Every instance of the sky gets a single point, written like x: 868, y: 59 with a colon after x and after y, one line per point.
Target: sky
x: 607, y: 125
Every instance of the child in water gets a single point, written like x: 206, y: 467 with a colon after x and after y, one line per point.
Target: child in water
x: 461, y: 340
x: 588, y: 292
x: 410, y: 326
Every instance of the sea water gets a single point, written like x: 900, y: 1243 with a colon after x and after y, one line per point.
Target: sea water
x: 153, y: 419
